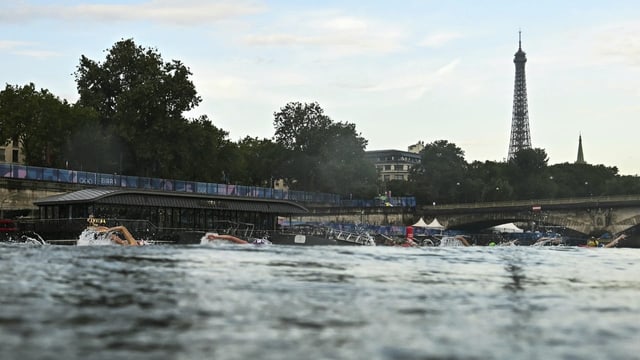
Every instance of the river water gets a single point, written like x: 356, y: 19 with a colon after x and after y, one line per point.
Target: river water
x: 286, y: 302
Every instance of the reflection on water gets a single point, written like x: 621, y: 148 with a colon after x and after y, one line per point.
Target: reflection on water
x: 280, y: 302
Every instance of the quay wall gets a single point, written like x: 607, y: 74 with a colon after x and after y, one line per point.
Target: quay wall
x: 17, y: 196
x: 370, y: 215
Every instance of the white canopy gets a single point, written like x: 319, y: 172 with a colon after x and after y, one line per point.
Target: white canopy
x: 420, y: 223
x: 507, y: 228
x: 435, y: 225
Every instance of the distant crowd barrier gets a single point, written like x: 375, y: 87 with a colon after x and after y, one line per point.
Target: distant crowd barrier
x: 398, y: 201
x: 15, y: 171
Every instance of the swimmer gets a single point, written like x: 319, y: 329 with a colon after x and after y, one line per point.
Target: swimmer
x: 614, y: 242
x: 215, y: 236
x: 463, y: 240
x: 408, y: 243
x: 543, y: 241
x: 128, y: 240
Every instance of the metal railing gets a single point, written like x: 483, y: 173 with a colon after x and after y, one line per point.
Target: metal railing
x: 16, y: 171
x: 537, y: 202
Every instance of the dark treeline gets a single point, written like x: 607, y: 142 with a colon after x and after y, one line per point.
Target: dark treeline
x: 445, y: 177
x: 129, y: 119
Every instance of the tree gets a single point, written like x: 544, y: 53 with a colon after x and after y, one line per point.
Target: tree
x: 262, y: 159
x: 40, y: 121
x: 529, y: 175
x: 322, y: 155
x: 299, y: 126
x: 488, y: 181
x: 140, y: 100
x: 344, y: 168
x: 442, y: 166
x: 579, y: 180
x: 201, y: 150
x: 87, y: 149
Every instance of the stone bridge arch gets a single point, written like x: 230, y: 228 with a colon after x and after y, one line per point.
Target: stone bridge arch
x: 592, y: 216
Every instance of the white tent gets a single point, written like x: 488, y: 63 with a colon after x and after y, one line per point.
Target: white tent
x: 435, y: 225
x: 506, y: 228
x: 420, y: 223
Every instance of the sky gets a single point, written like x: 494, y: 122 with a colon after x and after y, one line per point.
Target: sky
x: 401, y: 71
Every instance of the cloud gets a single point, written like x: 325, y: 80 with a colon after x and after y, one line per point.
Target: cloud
x: 10, y: 44
x: 412, y: 81
x: 37, y: 53
x: 334, y: 34
x: 25, y: 48
x: 439, y: 39
x: 161, y: 11
x: 619, y: 43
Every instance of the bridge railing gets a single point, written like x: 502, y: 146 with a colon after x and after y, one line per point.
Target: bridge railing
x: 16, y: 171
x: 537, y: 204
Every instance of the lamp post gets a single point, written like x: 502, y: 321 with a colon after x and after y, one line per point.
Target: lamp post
x: 586, y: 186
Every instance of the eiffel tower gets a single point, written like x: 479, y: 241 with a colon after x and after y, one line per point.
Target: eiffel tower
x: 520, y: 136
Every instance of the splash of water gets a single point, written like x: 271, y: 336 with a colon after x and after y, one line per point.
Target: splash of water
x: 34, y: 239
x: 261, y: 241
x: 450, y: 241
x: 90, y: 237
x: 211, y: 239
x: 30, y: 238
x: 204, y: 240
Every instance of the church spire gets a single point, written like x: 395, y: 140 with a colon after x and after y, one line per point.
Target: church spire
x: 580, y: 159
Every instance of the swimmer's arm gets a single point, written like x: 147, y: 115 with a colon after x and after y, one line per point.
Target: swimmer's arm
x: 228, y: 238
x: 615, y: 241
x: 118, y: 241
x: 463, y: 240
x: 127, y: 235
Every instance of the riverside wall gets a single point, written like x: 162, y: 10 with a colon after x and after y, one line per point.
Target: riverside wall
x: 17, y: 196
x: 371, y: 215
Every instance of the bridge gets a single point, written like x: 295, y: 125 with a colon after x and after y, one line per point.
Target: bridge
x: 590, y: 216
x: 582, y: 216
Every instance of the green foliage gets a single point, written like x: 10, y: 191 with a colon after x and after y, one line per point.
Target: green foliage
x: 40, y: 121
x: 200, y: 151
x: 140, y: 100
x: 87, y: 148
x: 262, y: 161
x: 322, y: 155
x: 129, y: 119
x: 300, y: 127
x: 441, y: 168
x: 444, y: 177
x: 529, y: 175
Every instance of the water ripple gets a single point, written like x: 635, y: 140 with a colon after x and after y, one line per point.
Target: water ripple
x: 287, y: 302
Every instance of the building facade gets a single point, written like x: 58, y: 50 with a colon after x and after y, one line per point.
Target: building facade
x: 12, y: 153
x: 395, y: 164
